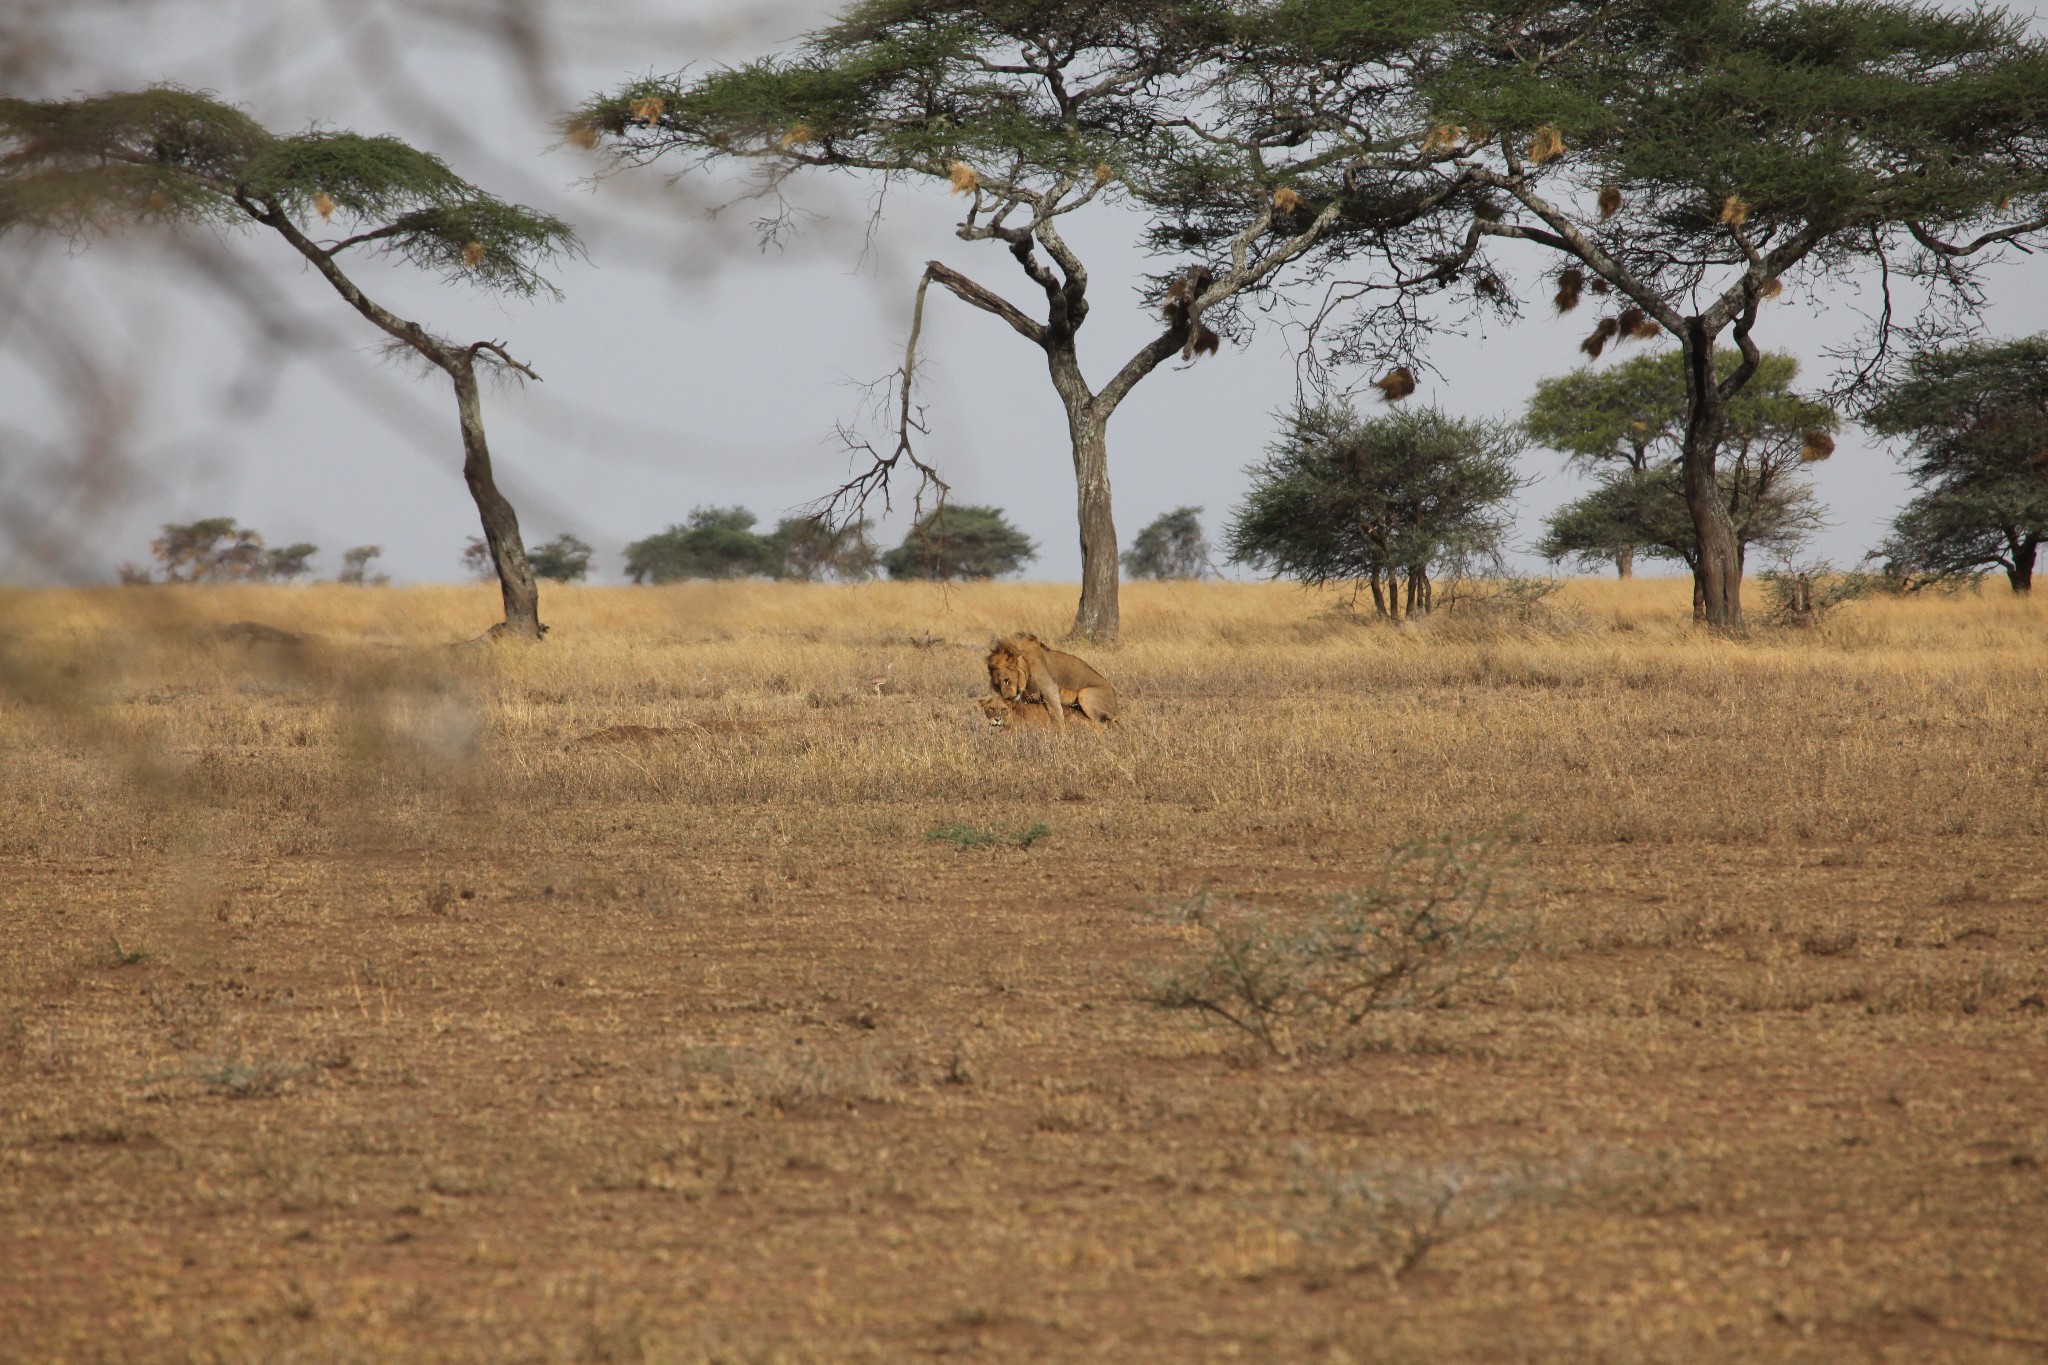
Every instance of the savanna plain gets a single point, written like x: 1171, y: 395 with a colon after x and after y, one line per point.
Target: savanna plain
x: 709, y: 983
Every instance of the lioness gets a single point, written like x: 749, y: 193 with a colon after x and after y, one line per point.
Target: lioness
x: 1006, y: 713
x: 1021, y: 668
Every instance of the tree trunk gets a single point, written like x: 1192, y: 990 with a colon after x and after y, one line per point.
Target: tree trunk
x: 1718, y: 580
x: 1097, y: 617
x: 1379, y: 600
x: 2021, y: 574
x: 501, y: 523
x: 1625, y: 562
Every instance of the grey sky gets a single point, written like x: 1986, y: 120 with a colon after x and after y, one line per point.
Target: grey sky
x: 684, y: 367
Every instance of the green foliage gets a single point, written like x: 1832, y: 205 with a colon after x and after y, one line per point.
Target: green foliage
x: 957, y: 540
x: 169, y: 155
x: 1975, y: 422
x: 967, y: 836
x: 720, y: 542
x: 1634, y: 413
x: 565, y: 559
x: 1433, y: 924
x: 1190, y: 111
x: 76, y: 166
x: 1828, y: 116
x: 1647, y: 512
x: 1173, y: 546
x: 716, y: 542
x: 1962, y: 531
x: 1340, y: 497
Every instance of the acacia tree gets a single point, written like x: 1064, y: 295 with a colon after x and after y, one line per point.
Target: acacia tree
x: 716, y: 542
x: 1034, y: 110
x: 1373, y: 500
x: 1975, y: 419
x: 1683, y: 158
x: 957, y: 540
x: 174, y: 157
x: 1633, y: 416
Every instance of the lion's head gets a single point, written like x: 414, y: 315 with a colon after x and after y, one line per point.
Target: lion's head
x: 997, y: 710
x: 1008, y: 673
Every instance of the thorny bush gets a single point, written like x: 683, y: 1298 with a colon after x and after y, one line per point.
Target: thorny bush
x: 1298, y: 980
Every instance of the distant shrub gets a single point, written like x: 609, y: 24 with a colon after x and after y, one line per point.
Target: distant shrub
x: 565, y: 559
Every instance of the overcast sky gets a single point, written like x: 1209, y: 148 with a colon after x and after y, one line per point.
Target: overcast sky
x: 685, y: 366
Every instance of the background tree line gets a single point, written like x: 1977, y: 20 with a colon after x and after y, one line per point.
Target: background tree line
x: 1393, y: 503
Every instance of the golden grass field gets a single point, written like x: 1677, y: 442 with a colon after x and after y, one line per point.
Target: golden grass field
x: 364, y: 1000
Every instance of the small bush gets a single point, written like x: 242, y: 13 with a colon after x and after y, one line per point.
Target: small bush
x: 1299, y: 980
x: 967, y: 836
x: 1805, y: 595
x: 1389, y: 1218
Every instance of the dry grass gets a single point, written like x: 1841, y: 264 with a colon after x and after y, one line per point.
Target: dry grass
x: 371, y: 998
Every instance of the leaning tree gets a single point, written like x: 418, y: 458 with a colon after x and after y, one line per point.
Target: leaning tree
x: 1227, y: 131
x: 1975, y: 420
x: 169, y: 156
x: 1682, y: 161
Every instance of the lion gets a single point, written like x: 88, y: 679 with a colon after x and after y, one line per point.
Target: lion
x: 1006, y: 713
x: 1021, y: 668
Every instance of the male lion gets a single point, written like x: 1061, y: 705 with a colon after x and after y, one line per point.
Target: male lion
x: 1021, y: 668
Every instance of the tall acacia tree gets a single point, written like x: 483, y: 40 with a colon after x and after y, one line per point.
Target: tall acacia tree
x: 1680, y: 159
x: 1033, y: 110
x: 168, y: 156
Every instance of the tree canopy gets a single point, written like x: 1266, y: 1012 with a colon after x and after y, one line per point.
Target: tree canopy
x: 1172, y: 546
x: 565, y: 559
x: 1628, y: 513
x: 1366, y: 500
x: 1974, y: 419
x: 167, y: 155
x: 959, y: 540
x: 716, y: 542
x: 1633, y: 415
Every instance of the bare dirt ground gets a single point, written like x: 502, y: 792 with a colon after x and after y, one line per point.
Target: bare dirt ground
x: 364, y: 999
